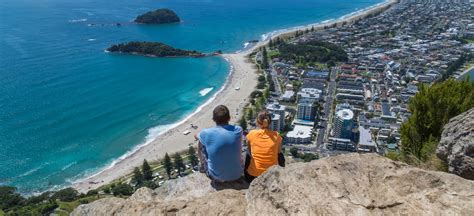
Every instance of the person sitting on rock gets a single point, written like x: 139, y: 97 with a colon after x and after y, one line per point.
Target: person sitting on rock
x: 220, y: 148
x: 264, y: 148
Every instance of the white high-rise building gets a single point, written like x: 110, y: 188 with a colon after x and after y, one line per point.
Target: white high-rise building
x: 278, y: 110
x: 343, y: 123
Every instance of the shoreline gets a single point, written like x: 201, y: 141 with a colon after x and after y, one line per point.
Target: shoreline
x: 242, y: 73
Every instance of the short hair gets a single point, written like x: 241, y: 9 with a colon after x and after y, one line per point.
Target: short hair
x: 221, y: 115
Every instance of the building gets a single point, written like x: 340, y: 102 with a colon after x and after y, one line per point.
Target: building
x: 279, y: 110
x: 309, y: 94
x: 276, y: 122
x: 365, y: 141
x: 343, y: 124
x: 306, y: 110
x: 341, y: 144
x: 288, y: 95
x: 301, y: 134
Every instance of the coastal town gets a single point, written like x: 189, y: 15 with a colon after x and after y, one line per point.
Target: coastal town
x: 359, y: 104
x: 334, y: 88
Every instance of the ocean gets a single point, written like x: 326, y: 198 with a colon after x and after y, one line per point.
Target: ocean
x: 69, y: 109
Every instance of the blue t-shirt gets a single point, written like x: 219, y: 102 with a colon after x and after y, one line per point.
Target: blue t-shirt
x: 223, y: 146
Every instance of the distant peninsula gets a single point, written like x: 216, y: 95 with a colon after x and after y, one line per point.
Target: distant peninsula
x: 152, y: 49
x: 160, y: 16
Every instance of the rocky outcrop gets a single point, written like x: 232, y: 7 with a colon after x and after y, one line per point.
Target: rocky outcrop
x: 456, y: 146
x: 352, y: 184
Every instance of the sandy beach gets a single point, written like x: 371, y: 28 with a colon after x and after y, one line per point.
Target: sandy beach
x: 244, y: 75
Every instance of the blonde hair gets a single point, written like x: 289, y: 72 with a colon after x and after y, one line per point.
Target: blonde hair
x: 264, y: 119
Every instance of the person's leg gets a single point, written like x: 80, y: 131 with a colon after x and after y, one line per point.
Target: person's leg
x: 249, y: 178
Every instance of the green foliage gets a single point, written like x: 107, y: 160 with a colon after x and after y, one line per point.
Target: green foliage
x: 456, y: 65
x: 431, y: 109
x: 307, y: 157
x: 137, y: 178
x: 92, y: 192
x: 264, y: 63
x: 122, y: 189
x: 39, y: 199
x: 66, y: 194
x: 243, y: 123
x: 313, y: 51
x: 40, y: 209
x: 159, y: 16
x: 256, y: 94
x: 178, y: 163
x: 107, y: 190
x: 193, y: 159
x: 146, y: 170
x: 294, y: 152
x: 168, y: 165
x: 9, y: 198
x: 152, y: 48
x: 250, y: 113
x: 393, y: 155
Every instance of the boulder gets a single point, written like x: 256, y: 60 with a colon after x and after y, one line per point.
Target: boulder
x: 351, y: 184
x: 456, y: 146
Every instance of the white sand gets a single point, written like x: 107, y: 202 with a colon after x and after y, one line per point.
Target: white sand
x: 243, y: 76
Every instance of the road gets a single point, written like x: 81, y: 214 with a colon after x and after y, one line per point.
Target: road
x: 327, y: 109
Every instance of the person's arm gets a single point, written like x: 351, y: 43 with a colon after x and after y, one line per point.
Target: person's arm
x: 281, y: 156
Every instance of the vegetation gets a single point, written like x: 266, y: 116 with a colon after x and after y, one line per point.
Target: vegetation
x: 178, y: 163
x: 264, y: 64
x: 137, y: 177
x: 456, y: 65
x: 431, y: 109
x: 159, y: 16
x: 154, y: 49
x: 313, y: 51
x: 147, y: 172
x: 294, y: 152
x: 168, y: 165
x: 122, y: 189
x: 193, y: 159
x: 307, y: 157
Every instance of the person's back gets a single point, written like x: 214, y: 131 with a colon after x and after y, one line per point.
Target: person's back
x: 264, y: 148
x: 222, y: 145
x: 220, y: 148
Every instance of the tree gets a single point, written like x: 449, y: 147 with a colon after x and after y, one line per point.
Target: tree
x: 249, y: 113
x: 264, y: 58
x: 138, y: 178
x: 431, y: 109
x: 193, y: 159
x: 66, y: 194
x: 147, y: 172
x: 178, y: 163
x: 9, y: 198
x: 122, y: 189
x: 168, y: 165
x: 270, y: 43
x: 294, y: 151
x: 243, y: 123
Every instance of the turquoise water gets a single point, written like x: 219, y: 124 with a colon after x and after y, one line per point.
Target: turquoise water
x: 68, y: 109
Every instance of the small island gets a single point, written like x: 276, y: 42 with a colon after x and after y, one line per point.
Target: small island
x: 152, y: 49
x: 160, y: 16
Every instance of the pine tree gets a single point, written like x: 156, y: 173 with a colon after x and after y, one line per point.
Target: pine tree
x: 193, y: 159
x: 168, y: 165
x: 270, y: 43
x: 264, y: 58
x: 250, y: 113
x: 243, y: 123
x: 137, y: 177
x: 147, y: 172
x: 178, y: 163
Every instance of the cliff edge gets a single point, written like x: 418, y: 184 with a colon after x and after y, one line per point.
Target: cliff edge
x: 347, y: 184
x: 456, y: 146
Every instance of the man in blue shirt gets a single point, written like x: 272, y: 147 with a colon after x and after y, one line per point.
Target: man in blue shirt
x: 220, y: 148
